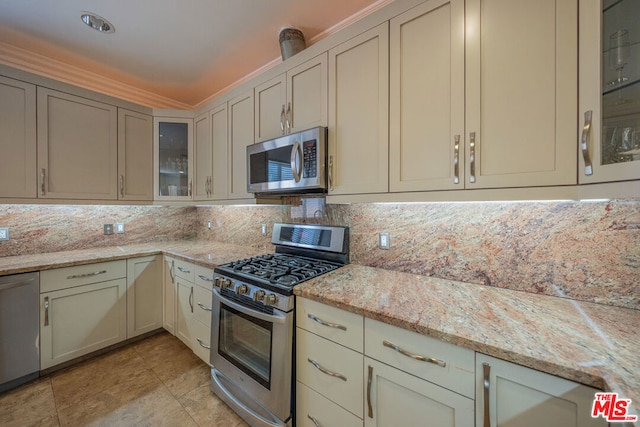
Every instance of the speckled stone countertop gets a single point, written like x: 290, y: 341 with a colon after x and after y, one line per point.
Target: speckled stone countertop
x: 585, y: 342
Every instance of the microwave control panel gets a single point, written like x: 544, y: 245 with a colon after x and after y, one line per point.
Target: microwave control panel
x: 310, y: 156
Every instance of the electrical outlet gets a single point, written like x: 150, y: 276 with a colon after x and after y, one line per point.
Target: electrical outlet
x: 383, y: 241
x: 108, y: 229
x: 119, y: 227
x: 4, y: 233
x: 209, y: 225
x: 264, y: 229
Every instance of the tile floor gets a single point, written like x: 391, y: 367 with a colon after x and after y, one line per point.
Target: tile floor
x: 154, y: 382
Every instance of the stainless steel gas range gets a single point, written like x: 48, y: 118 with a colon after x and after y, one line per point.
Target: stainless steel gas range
x: 253, y: 319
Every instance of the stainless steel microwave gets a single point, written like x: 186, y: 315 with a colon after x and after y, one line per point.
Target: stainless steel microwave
x: 290, y: 164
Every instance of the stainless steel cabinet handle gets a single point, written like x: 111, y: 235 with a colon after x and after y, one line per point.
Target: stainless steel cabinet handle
x: 313, y: 420
x: 456, y: 159
x: 288, y: 117
x: 414, y: 356
x: 43, y: 179
x: 331, y: 173
x: 326, y: 371
x: 486, y: 372
x: 472, y: 157
x: 584, y: 142
x: 173, y: 264
x: 296, y: 168
x: 202, y: 344
x: 204, y: 307
x: 190, y: 187
x: 282, y: 119
x: 46, y: 311
x: 79, y: 276
x: 191, y: 299
x: 184, y: 270
x: 205, y: 278
x: 325, y: 323
x: 369, y: 381
x: 121, y: 185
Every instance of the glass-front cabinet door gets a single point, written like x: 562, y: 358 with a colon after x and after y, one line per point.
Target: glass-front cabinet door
x: 173, y: 157
x: 609, y: 134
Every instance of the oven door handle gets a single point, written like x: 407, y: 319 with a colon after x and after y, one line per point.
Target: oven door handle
x: 273, y: 318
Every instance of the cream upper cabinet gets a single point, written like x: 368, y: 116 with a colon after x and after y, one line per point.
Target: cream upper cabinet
x: 359, y: 114
x: 294, y: 101
x: 203, y: 156
x: 211, y: 148
x: 426, y: 103
x: 509, y: 395
x: 521, y: 94
x: 144, y: 295
x: 18, y: 177
x: 135, y: 155
x: 240, y: 118
x: 609, y: 133
x: 77, y: 147
x: 173, y: 157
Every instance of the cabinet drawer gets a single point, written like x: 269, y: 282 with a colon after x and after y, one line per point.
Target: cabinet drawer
x: 338, y: 374
x: 313, y: 406
x: 68, y: 277
x: 204, y: 277
x: 202, y: 305
x: 329, y: 322
x: 184, y: 270
x: 201, y: 335
x: 457, y: 374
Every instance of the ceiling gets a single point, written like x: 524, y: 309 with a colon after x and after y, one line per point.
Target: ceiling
x: 177, y: 53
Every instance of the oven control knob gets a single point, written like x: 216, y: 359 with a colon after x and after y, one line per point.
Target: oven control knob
x: 226, y: 283
x: 272, y: 299
x: 217, y: 283
x: 242, y: 289
x: 259, y: 295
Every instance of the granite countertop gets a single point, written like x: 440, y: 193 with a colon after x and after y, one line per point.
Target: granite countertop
x: 593, y: 344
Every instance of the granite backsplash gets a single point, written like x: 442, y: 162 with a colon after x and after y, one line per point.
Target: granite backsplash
x: 581, y: 250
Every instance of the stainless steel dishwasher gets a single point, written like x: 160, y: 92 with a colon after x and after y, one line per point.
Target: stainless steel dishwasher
x: 19, y: 329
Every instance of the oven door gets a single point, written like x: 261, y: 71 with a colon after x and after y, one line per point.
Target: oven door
x: 251, y: 352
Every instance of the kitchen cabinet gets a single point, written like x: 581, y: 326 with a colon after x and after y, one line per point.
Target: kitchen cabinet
x: 329, y: 365
x: 240, y: 128
x: 144, y: 295
x: 426, y: 120
x: 609, y: 85
x: 211, y: 148
x: 410, y: 377
x: 77, y: 147
x: 294, y: 101
x: 82, y: 309
x: 515, y: 396
x: 173, y: 158
x: 18, y: 176
x: 135, y: 156
x: 359, y: 114
x: 521, y: 94
x: 203, y: 156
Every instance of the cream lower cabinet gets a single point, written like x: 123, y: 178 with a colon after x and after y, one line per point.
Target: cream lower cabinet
x: 510, y: 395
x: 144, y: 295
x: 82, y: 309
x: 169, y: 295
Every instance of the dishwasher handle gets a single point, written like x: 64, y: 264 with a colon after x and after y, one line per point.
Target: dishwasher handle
x: 14, y: 282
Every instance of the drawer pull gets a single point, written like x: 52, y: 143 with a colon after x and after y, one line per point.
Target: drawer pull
x: 203, y: 345
x: 79, y: 276
x: 205, y: 278
x: 413, y: 355
x: 204, y: 307
x: 313, y: 420
x: 369, y: 381
x: 325, y: 323
x: 184, y: 270
x: 326, y: 371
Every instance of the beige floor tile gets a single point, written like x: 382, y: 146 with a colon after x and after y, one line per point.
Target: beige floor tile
x: 157, y: 349
x: 208, y: 410
x: 29, y: 405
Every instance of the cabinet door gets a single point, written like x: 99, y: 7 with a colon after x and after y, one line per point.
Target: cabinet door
x: 135, y: 155
x: 395, y: 398
x: 203, y: 155
x: 427, y: 97
x: 521, y: 93
x: 169, y: 296
x: 240, y: 115
x: 515, y: 396
x: 77, y: 147
x: 307, y: 95
x: 144, y: 295
x: 609, y: 91
x: 82, y: 319
x: 219, y: 138
x: 313, y: 409
x: 173, y: 157
x: 359, y: 114
x: 184, y: 310
x: 18, y: 177
x: 270, y: 110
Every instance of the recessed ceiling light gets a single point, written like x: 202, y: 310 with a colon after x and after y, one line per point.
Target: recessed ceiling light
x: 97, y: 22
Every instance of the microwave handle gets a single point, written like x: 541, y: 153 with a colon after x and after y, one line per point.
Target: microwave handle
x: 296, y: 168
